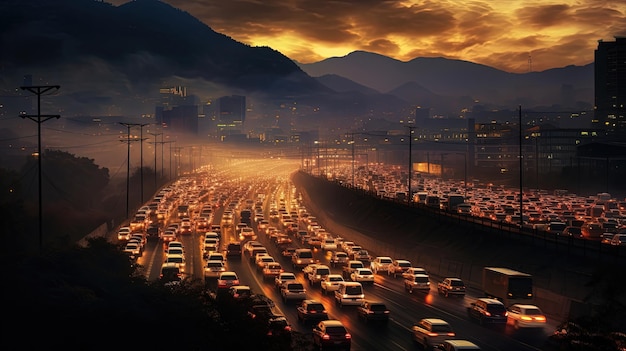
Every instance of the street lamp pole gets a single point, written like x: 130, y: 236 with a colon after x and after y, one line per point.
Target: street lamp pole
x: 155, y: 158
x: 521, y: 165
x: 409, y: 195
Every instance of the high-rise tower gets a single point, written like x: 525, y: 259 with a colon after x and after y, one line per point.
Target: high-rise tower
x: 610, y: 86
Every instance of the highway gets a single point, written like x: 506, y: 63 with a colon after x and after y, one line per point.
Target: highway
x: 272, y: 179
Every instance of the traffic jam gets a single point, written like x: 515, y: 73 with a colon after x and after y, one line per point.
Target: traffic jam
x: 253, y: 241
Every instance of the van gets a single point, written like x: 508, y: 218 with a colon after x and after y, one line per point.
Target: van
x: 302, y: 258
x: 349, y: 293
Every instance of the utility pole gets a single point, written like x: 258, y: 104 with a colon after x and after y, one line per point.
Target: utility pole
x: 39, y: 119
x: 141, y: 139
x: 155, y: 158
x: 410, y: 195
x: 521, y: 165
x: 128, y: 141
x: 177, y: 151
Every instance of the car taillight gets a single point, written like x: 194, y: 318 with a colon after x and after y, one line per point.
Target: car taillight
x: 487, y: 313
x: 540, y: 318
x: 526, y: 318
x: 348, y: 336
x: 326, y: 337
x: 433, y: 334
x: 287, y: 328
x: 450, y: 334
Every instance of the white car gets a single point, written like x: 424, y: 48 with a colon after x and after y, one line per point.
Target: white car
x: 123, y: 233
x: 331, y: 282
x: 363, y: 275
x: 525, y: 316
x: 213, y: 269
x: 381, y: 264
x: 284, y: 277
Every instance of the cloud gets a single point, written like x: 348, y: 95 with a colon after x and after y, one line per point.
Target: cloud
x: 476, y: 30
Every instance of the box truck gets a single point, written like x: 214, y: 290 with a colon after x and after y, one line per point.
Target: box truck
x: 508, y: 285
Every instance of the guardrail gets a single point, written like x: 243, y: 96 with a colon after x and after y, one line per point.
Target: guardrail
x: 594, y: 249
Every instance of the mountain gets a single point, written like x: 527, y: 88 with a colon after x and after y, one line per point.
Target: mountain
x: 341, y: 84
x: 112, y: 60
x: 570, y: 86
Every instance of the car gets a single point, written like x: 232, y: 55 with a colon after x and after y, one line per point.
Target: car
x: 233, y: 249
x: 525, y: 316
x: 133, y: 249
x: 618, y: 240
x: 456, y: 345
x: 175, y: 243
x: 572, y: 231
x: 362, y: 275
x: 317, y: 272
x: 258, y: 251
x: 288, y: 252
x: 302, y: 257
x: 381, y: 264
x: 419, y: 282
x: 278, y: 327
x: 331, y: 333
x: 398, y: 267
x: 329, y: 244
x: 339, y: 258
x: 168, y: 235
x: 314, y: 242
x: 284, y: 277
x: 261, y: 260
x: 330, y: 283
x: 488, y: 311
x: 292, y: 291
x: 272, y: 270
x: 250, y: 245
x: 311, y: 310
x: 451, y: 286
x: 373, y: 311
x: 247, y: 233
x: 210, y: 244
x: 227, y: 279
x: 175, y: 251
x: 239, y: 292
x: 216, y: 256
x: 170, y: 274
x: 178, y: 260
x: 349, y: 293
x: 213, y: 269
x: 123, y: 233
x: 413, y: 271
x: 429, y: 332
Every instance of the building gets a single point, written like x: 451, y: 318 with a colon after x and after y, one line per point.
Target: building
x: 177, y: 111
x: 610, y: 86
x: 231, y: 116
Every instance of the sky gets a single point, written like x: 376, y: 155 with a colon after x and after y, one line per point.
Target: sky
x: 511, y: 35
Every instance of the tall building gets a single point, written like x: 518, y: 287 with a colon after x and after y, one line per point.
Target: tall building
x: 232, y: 115
x: 610, y: 86
x: 177, y: 110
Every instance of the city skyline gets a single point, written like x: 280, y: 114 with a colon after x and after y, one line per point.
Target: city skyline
x: 537, y: 35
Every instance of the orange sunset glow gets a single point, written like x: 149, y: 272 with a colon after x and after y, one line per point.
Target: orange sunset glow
x: 511, y: 35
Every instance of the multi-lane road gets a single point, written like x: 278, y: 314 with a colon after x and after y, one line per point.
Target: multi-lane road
x: 271, y: 178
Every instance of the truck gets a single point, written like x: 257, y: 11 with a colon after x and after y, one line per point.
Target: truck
x: 508, y: 285
x: 454, y: 200
x: 245, y: 216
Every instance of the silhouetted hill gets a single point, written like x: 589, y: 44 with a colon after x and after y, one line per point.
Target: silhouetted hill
x: 341, y: 84
x: 570, y: 86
